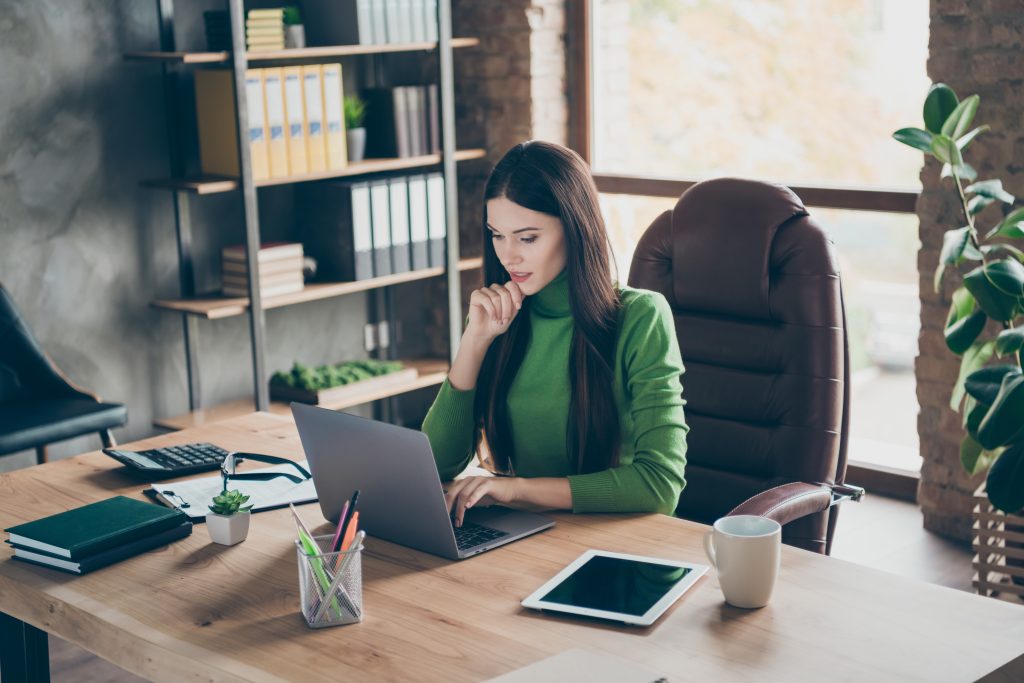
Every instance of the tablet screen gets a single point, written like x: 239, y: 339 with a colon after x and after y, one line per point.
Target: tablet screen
x: 618, y: 585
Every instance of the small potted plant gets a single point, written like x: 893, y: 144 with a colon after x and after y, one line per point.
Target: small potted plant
x: 294, y: 31
x: 228, y: 520
x: 355, y: 112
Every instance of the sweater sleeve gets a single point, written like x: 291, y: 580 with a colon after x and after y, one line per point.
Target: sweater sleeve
x: 449, y: 427
x: 652, y: 367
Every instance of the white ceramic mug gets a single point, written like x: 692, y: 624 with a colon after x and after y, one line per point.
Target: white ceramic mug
x: 745, y: 550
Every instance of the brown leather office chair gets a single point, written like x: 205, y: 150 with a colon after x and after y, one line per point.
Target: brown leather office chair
x: 754, y: 285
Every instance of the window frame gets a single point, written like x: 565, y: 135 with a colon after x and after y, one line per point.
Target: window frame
x: 579, y: 30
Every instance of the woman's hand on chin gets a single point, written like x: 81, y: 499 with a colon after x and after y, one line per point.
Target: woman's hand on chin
x: 492, y: 310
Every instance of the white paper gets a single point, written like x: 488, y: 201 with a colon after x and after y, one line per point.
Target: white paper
x: 199, y: 493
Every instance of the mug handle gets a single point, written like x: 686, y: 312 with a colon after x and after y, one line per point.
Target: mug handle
x: 709, y: 549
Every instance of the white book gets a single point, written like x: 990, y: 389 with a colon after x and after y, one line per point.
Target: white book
x: 437, y: 227
x: 380, y: 205
x: 399, y: 195
x: 362, y: 230
x: 431, y: 20
x: 365, y: 21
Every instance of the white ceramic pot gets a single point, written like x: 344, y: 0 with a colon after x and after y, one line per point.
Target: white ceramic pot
x: 228, y: 529
x: 356, y: 139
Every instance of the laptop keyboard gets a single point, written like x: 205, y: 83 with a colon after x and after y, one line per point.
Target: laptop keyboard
x: 469, y: 535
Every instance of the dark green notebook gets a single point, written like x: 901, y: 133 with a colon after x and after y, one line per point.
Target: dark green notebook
x: 95, y: 527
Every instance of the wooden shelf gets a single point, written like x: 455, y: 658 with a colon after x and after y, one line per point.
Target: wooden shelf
x: 179, y: 57
x: 293, y: 54
x: 431, y: 372
x: 214, y: 306
x: 203, y: 185
x: 351, y: 50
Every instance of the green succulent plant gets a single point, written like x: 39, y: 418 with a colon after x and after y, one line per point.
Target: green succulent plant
x: 990, y: 397
x: 229, y: 503
x: 307, y: 378
x: 355, y: 111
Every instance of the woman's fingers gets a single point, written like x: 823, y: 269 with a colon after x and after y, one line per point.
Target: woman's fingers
x: 515, y: 293
x: 468, y: 495
x: 483, y: 299
x: 508, y: 307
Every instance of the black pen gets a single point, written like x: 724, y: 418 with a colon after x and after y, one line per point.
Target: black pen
x: 345, y: 522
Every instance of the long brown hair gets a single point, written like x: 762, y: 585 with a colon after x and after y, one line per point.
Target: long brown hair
x: 551, y: 179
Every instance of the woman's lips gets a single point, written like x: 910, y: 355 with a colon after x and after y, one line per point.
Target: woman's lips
x: 519, y: 277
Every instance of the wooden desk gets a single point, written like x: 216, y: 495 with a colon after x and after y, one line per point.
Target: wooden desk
x: 199, y: 612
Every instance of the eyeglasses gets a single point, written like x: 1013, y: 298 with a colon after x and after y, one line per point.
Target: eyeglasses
x: 231, y: 460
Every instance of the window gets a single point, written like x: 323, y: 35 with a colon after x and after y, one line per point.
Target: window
x: 794, y: 91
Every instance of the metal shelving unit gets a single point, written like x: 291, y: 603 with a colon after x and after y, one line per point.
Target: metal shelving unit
x: 192, y: 307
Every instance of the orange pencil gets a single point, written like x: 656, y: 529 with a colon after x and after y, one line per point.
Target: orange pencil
x: 350, y: 532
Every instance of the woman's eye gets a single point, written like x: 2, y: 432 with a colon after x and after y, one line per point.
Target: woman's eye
x: 529, y: 240
x: 495, y: 236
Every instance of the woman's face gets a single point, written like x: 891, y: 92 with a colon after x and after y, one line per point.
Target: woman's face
x: 529, y: 244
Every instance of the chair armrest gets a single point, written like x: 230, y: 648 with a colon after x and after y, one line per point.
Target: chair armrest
x: 787, y: 502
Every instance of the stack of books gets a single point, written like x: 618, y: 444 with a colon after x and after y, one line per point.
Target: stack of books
x: 95, y: 535
x: 280, y: 269
x: 218, y: 30
x: 264, y: 29
x: 402, y: 121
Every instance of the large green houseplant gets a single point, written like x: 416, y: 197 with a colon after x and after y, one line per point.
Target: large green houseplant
x: 989, y: 396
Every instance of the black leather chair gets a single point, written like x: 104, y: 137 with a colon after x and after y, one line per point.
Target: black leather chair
x: 38, y: 404
x: 755, y: 290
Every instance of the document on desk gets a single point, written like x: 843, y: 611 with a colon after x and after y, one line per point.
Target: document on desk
x: 193, y: 496
x: 580, y: 665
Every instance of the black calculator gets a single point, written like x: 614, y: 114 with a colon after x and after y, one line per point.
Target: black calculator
x: 172, y: 461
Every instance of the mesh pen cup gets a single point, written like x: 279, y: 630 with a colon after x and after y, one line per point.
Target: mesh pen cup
x: 330, y: 584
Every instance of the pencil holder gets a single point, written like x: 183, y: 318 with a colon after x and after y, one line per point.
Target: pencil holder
x: 330, y: 584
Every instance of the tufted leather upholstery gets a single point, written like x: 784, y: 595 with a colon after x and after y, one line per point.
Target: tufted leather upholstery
x: 754, y: 285
x: 38, y: 405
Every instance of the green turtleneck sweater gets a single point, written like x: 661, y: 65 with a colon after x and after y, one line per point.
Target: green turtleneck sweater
x: 648, y: 394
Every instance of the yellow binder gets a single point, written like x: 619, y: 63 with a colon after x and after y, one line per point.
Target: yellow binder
x: 316, y: 152
x: 215, y: 113
x: 257, y: 124
x: 277, y: 145
x: 334, y: 117
x: 295, y: 116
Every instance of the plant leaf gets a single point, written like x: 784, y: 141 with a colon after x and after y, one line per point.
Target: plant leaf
x: 945, y: 150
x: 970, y: 451
x: 1005, y: 418
x: 938, y: 105
x: 959, y: 120
x: 999, y: 246
x: 1006, y: 275
x: 993, y: 189
x: 983, y: 384
x: 997, y: 304
x: 964, y: 171
x: 1010, y: 341
x: 961, y: 334
x: 977, y: 204
x: 916, y: 138
x: 953, y: 243
x: 974, y: 415
x: 973, y: 359
x: 1012, y: 225
x: 1005, y: 482
x: 962, y: 142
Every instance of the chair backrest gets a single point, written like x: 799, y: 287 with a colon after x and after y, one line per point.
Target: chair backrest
x: 754, y: 285
x: 25, y: 370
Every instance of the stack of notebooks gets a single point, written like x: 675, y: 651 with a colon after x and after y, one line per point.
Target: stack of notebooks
x: 95, y: 535
x: 280, y: 269
x: 264, y: 29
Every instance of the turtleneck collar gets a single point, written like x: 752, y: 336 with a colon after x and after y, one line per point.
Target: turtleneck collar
x: 553, y: 300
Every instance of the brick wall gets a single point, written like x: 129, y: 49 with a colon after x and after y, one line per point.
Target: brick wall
x: 509, y: 89
x: 975, y: 47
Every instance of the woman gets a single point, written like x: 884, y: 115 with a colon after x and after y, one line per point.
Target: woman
x: 572, y: 382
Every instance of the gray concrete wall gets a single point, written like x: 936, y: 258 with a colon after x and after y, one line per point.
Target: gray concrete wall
x: 84, y: 249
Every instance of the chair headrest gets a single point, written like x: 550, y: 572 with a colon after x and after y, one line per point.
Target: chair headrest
x: 717, y: 242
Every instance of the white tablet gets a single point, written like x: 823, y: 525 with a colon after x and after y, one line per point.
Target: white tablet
x: 627, y: 588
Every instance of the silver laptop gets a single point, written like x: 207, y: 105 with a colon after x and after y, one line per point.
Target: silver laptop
x: 400, y: 494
